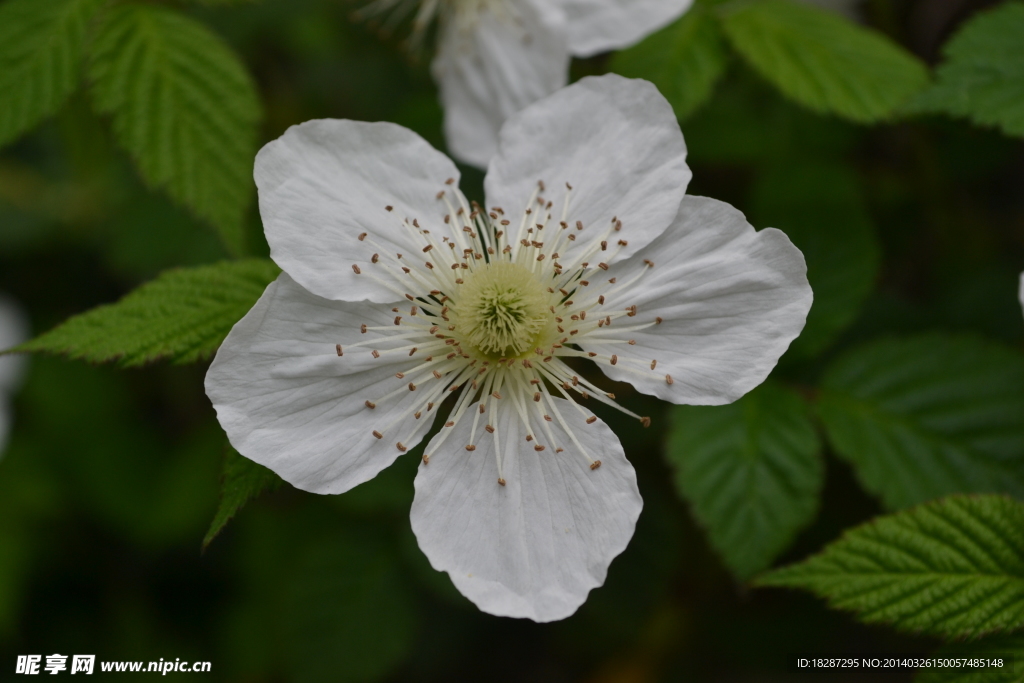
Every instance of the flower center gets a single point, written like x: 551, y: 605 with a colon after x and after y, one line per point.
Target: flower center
x: 502, y: 311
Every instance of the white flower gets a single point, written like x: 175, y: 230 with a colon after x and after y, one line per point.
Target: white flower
x: 495, y: 57
x: 13, y: 331
x: 399, y: 294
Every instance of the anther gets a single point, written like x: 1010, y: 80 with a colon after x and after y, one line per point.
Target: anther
x: 602, y: 266
x: 398, y: 320
x: 449, y: 423
x: 400, y: 375
x: 375, y: 258
x: 362, y: 328
x: 370, y: 404
x: 654, y: 364
x: 378, y: 434
x: 400, y: 447
x: 595, y: 464
x: 337, y: 348
x: 362, y: 236
x: 615, y: 359
x: 668, y: 379
x: 470, y: 447
x: 650, y: 264
x: 591, y: 420
x: 538, y: 448
x: 536, y: 396
x: 412, y: 387
x: 657, y: 321
x: 501, y: 482
x: 389, y: 208
x: 375, y: 353
x: 356, y: 270
x: 645, y: 421
x: 489, y: 428
x: 426, y: 459
x: 631, y: 311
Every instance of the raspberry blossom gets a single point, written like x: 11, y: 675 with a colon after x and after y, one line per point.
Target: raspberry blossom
x: 401, y: 300
x: 495, y: 57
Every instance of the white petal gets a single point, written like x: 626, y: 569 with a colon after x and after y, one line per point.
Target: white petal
x: 13, y: 331
x: 535, y: 547
x: 615, y: 140
x: 288, y: 402
x: 601, y: 25
x: 510, y: 60
x: 1020, y: 294
x: 325, y: 182
x: 732, y: 300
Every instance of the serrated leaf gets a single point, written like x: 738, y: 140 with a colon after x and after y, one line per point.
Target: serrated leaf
x: 925, y: 416
x: 1003, y: 656
x: 183, y: 106
x: 983, y: 75
x: 241, y: 481
x: 823, y: 61
x: 952, y: 568
x: 751, y: 472
x: 182, y: 316
x: 684, y: 60
x: 820, y: 208
x: 40, y: 59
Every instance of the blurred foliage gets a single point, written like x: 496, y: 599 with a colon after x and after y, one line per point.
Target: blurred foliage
x: 127, y: 133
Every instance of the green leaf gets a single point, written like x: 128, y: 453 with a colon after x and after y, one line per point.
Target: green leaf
x: 926, y: 416
x: 40, y: 58
x: 751, y: 471
x: 823, y: 61
x: 346, y: 596
x: 1007, y: 649
x: 820, y: 207
x: 983, y: 75
x: 182, y: 316
x: 684, y: 60
x: 183, y: 106
x: 241, y: 481
x: 952, y: 568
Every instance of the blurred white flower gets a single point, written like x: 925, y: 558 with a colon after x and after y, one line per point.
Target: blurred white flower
x: 495, y: 57
x: 13, y: 331
x: 398, y: 294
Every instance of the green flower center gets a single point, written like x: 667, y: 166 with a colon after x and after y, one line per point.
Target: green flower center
x: 502, y: 311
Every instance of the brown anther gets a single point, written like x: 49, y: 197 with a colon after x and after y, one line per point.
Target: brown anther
x: 407, y: 271
x: 579, y: 225
x: 645, y: 421
x: 415, y: 222
x: 426, y: 459
x: 591, y: 354
x: 449, y: 181
x: 631, y: 342
x: 375, y: 258
x: 412, y: 387
x: 362, y: 328
x: 668, y: 379
x: 594, y: 465
x: 389, y: 208
x: 417, y: 414
x: 378, y: 434
x: 398, y: 320
x: 654, y: 364
x: 414, y: 310
x: 440, y: 195
x: 575, y: 380
x: 482, y: 409
x: 495, y: 394
x: 591, y: 420
x: 489, y: 428
x: 362, y: 236
x: 400, y: 375
x: 370, y: 404
x: 355, y: 269
x: 615, y: 359
x: 427, y: 248
x: 538, y: 448
x: 501, y: 482
x: 572, y: 238
x: 623, y: 243
x: 657, y: 321
x: 470, y: 447
x: 437, y: 375
x: 602, y: 266
x: 337, y: 347
x: 449, y: 423
x: 549, y: 418
x: 400, y: 447
x: 600, y: 299
x: 375, y: 353
x: 650, y: 264
x: 604, y: 245
x: 612, y: 280
x: 631, y: 311
x: 610, y: 395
